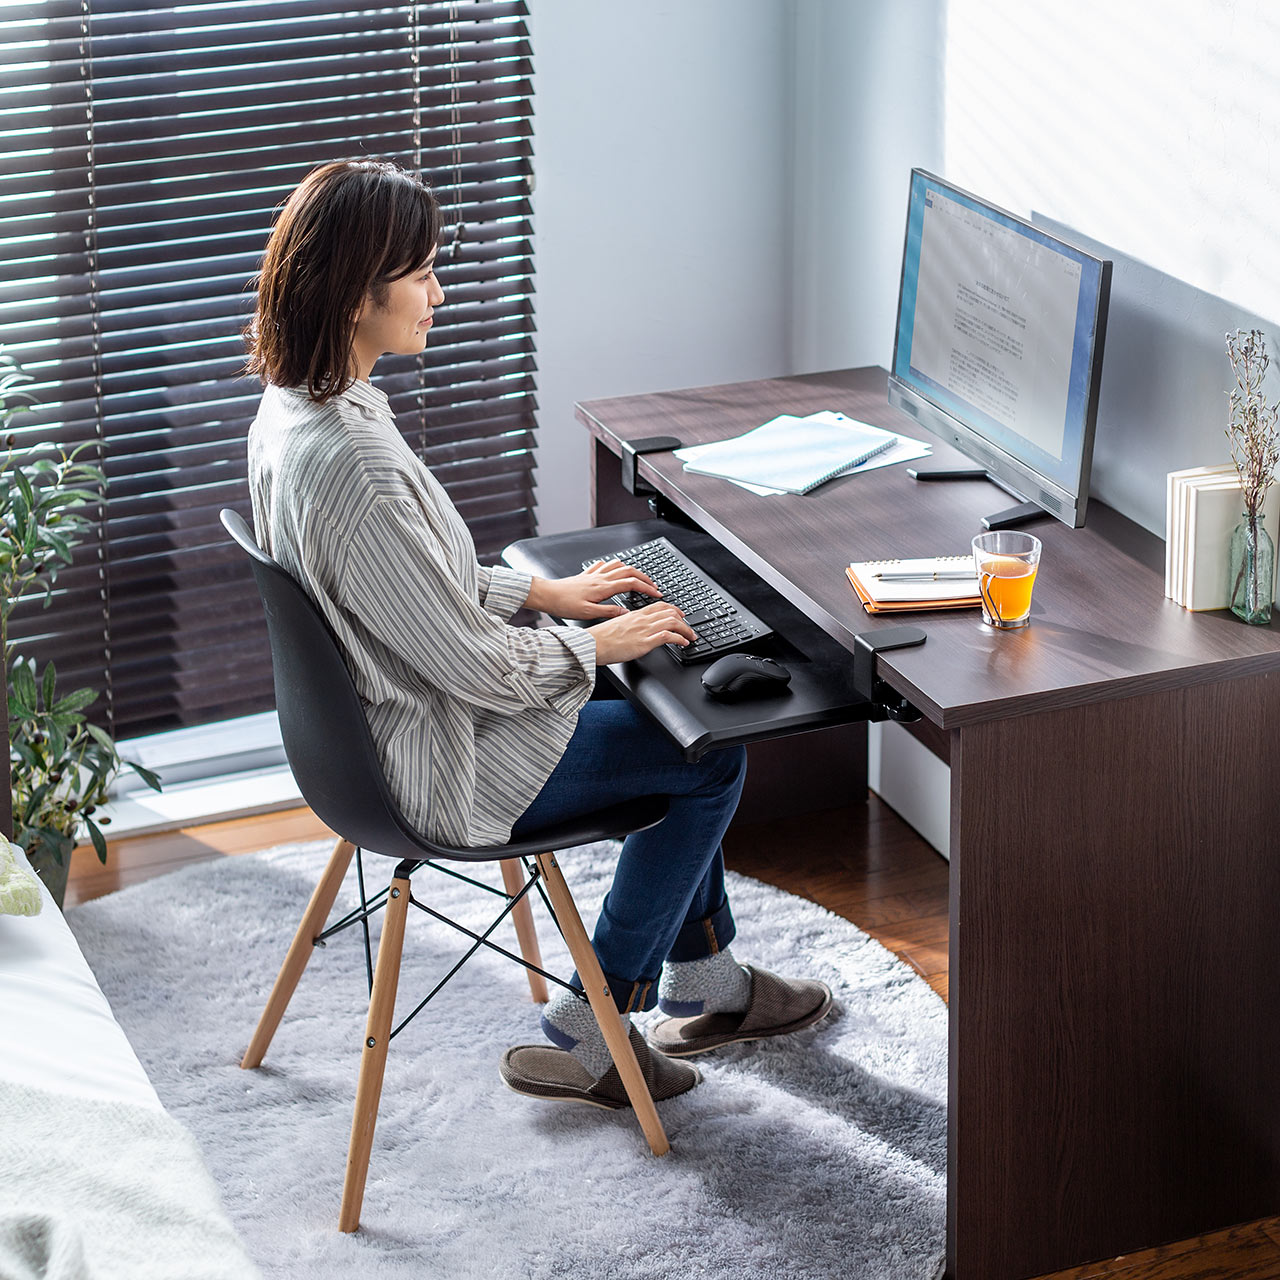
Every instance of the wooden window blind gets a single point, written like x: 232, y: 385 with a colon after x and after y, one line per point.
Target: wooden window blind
x: 143, y: 152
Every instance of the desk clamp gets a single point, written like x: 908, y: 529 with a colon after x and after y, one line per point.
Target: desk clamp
x: 632, y: 451
x: 886, y: 702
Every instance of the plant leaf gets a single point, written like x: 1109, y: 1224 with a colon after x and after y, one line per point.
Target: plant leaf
x: 62, y: 546
x: 99, y: 840
x: 34, y: 801
x: 23, y: 685
x: 151, y: 779
x: 102, y: 738
x: 50, y: 679
x: 76, y: 701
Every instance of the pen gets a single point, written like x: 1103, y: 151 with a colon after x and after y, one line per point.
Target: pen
x: 943, y: 575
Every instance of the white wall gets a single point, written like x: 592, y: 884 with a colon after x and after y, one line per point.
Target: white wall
x: 721, y: 190
x: 1153, y: 128
x: 869, y: 94
x: 662, y: 209
x: 1154, y: 133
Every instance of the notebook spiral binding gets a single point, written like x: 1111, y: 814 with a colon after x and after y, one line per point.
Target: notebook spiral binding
x: 939, y: 559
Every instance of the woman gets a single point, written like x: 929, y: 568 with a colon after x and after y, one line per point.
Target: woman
x: 484, y: 728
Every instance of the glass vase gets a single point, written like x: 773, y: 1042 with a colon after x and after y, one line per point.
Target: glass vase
x: 1252, y: 565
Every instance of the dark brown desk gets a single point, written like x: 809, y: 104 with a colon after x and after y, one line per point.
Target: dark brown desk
x: 1115, y: 872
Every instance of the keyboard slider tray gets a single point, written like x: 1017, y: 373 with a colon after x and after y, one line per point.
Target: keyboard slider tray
x: 821, y: 692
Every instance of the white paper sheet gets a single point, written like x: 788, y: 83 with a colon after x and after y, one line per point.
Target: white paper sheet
x: 906, y: 450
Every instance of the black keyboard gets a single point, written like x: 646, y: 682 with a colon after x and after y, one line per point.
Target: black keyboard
x: 721, y: 624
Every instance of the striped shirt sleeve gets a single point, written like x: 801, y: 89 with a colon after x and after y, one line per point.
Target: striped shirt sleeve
x: 502, y: 590
x: 394, y: 578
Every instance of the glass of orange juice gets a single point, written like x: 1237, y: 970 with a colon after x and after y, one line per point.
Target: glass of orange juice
x: 1006, y: 562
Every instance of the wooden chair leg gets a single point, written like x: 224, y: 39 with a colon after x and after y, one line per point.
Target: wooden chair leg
x: 526, y: 934
x: 300, y: 950
x: 373, y: 1057
x: 602, y: 1005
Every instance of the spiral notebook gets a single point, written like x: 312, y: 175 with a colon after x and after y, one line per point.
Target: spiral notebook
x: 901, y: 586
x: 793, y: 454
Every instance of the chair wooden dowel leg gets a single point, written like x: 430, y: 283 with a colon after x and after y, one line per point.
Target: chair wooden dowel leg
x: 526, y: 934
x: 300, y: 950
x: 373, y: 1057
x: 602, y: 1005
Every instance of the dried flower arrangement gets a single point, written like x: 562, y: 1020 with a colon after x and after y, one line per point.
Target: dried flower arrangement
x: 1252, y: 423
x: 1254, y: 435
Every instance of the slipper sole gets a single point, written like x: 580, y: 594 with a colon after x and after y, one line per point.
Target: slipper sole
x: 552, y: 1075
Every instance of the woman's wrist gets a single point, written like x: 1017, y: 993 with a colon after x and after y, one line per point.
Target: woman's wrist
x: 541, y: 596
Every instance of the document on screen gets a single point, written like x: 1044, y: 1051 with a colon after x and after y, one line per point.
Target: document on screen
x: 1000, y: 336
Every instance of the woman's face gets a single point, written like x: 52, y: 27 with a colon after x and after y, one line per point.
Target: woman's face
x: 401, y: 324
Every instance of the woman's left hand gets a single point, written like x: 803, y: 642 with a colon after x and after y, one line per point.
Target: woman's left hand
x: 580, y: 597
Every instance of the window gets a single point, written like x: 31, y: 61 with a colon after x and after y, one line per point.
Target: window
x: 144, y: 152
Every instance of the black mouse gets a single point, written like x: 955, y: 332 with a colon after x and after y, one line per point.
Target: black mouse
x: 743, y: 675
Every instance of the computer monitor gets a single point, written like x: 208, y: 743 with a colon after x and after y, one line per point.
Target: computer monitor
x: 998, y: 348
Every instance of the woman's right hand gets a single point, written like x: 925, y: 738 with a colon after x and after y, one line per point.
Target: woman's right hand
x: 637, y: 633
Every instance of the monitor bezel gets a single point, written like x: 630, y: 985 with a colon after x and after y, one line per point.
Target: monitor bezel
x: 1012, y: 473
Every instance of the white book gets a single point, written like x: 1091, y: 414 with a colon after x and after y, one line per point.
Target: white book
x: 1175, y: 573
x: 1192, y: 488
x: 1214, y: 511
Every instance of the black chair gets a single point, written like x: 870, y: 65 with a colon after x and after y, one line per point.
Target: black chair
x: 331, y: 752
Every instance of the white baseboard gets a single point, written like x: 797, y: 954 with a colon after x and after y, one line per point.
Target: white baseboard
x: 232, y: 769
x: 185, y: 804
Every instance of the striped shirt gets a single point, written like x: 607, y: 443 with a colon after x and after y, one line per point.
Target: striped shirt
x: 469, y: 715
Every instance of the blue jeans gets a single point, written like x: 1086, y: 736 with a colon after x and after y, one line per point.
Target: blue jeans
x: 667, y: 900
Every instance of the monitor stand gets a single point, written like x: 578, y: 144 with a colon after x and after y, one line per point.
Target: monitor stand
x: 1006, y: 519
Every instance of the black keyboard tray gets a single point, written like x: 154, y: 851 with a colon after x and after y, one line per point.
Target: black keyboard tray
x: 821, y: 692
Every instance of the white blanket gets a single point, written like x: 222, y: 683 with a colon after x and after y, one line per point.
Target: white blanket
x: 57, y: 1030
x: 98, y: 1190
x: 97, y: 1182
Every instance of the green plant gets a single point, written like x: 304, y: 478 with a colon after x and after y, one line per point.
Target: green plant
x: 60, y: 765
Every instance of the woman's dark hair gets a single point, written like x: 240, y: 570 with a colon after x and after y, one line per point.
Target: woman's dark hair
x: 348, y: 230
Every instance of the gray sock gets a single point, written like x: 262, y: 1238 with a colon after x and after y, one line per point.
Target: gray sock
x: 569, y: 1023
x: 714, y: 984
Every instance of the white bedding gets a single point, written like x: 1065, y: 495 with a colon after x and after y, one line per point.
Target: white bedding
x: 97, y: 1181
x: 56, y: 1028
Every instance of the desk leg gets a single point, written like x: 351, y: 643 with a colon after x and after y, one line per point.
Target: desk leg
x: 610, y: 502
x: 1115, y: 947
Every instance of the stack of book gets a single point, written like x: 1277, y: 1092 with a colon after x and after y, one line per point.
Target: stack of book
x: 1203, y: 506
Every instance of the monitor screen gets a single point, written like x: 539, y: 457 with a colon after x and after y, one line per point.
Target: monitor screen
x: 998, y: 347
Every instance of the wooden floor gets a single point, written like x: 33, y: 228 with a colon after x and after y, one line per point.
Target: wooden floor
x: 863, y: 863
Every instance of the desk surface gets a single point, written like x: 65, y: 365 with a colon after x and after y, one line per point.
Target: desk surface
x: 1101, y: 626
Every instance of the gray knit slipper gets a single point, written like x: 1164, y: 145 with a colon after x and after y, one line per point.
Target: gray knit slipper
x: 777, y: 1006
x: 542, y: 1071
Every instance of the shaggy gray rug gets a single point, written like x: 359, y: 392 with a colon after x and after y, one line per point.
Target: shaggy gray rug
x: 815, y: 1157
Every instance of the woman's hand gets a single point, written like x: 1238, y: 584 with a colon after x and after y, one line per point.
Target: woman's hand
x: 580, y: 597
x: 634, y: 634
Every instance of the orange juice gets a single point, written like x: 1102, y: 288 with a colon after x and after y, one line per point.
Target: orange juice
x: 1005, y: 583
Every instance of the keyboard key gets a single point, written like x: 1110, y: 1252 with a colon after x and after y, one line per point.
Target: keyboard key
x: 720, y: 622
